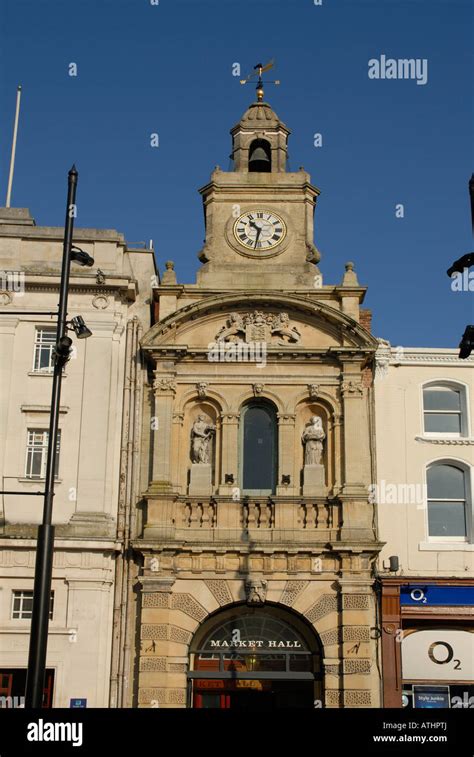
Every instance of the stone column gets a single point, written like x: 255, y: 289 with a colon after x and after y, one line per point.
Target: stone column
x: 357, y: 476
x: 165, y: 389
x: 7, y: 336
x: 288, y: 458
x: 338, y: 457
x: 100, y: 359
x: 359, y: 675
x: 155, y: 624
x: 229, y: 452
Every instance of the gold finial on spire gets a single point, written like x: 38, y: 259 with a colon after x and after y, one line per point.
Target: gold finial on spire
x: 258, y: 71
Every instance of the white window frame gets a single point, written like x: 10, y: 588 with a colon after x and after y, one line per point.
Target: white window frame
x: 468, y: 502
x: 43, y: 447
x: 23, y: 594
x: 463, y: 390
x: 39, y: 345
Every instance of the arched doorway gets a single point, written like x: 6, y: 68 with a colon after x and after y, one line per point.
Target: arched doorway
x: 255, y: 658
x: 259, y: 448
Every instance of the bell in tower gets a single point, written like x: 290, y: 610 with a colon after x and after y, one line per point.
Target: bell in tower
x: 260, y: 141
x: 260, y: 156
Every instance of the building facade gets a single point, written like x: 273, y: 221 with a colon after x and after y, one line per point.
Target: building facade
x: 424, y: 497
x: 98, y: 425
x: 254, y: 540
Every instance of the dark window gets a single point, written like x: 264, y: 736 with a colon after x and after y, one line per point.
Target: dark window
x: 22, y: 605
x: 442, y: 410
x: 259, y: 449
x: 446, y: 501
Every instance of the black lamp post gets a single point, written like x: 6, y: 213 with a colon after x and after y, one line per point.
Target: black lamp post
x: 466, y: 345
x: 44, y: 553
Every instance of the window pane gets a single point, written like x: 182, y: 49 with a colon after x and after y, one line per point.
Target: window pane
x: 446, y: 519
x: 443, y: 423
x: 300, y: 662
x: 259, y: 449
x: 44, y: 342
x: 35, y: 458
x: 27, y: 602
x: 442, y: 399
x: 445, y: 482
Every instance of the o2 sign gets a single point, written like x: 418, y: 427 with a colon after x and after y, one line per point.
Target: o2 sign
x: 418, y: 595
x: 440, y: 654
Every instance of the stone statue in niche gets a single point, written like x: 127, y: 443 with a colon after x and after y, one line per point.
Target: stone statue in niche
x: 201, y: 434
x: 312, y: 438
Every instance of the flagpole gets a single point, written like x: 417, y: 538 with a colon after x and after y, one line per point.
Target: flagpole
x: 12, y: 159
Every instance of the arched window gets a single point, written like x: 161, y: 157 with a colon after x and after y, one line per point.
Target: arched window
x: 447, y: 499
x: 444, y: 409
x: 259, y: 449
x: 260, y: 156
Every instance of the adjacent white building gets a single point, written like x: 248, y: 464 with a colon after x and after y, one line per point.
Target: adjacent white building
x: 95, y: 451
x: 424, y: 495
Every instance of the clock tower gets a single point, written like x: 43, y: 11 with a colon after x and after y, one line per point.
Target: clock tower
x: 259, y: 216
x: 255, y: 530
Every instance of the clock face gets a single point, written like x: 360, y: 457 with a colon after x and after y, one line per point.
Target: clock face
x: 259, y: 230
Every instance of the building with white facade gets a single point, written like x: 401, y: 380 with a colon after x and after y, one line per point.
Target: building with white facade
x: 424, y: 496
x: 98, y: 423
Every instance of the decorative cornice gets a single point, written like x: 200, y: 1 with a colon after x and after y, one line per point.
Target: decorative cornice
x: 418, y: 355
x: 462, y: 442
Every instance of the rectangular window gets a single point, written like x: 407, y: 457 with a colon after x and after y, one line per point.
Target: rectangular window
x: 22, y: 605
x: 37, y: 451
x: 44, y: 345
x: 442, y: 409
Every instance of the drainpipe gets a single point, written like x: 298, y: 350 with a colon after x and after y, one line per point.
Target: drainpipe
x: 121, y: 518
x: 132, y: 567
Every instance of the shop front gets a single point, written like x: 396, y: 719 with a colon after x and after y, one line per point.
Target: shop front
x: 255, y: 659
x: 428, y: 644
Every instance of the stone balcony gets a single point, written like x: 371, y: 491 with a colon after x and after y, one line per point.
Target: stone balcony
x: 251, y: 519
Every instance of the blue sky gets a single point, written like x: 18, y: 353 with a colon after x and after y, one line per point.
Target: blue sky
x: 167, y: 68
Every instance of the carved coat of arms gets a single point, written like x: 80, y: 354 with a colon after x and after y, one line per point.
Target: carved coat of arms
x: 259, y: 327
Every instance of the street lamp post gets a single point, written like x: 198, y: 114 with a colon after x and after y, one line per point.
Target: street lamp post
x: 45, y: 545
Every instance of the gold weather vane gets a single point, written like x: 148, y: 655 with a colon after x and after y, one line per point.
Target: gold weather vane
x: 258, y: 71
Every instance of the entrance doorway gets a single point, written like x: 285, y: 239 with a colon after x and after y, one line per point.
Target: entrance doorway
x: 262, y: 658
x: 262, y: 696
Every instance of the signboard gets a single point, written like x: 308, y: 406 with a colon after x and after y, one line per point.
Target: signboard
x: 429, y: 595
x: 438, y: 655
x: 77, y: 703
x: 431, y: 696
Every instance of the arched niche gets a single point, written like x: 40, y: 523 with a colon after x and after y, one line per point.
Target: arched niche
x: 304, y: 412
x: 211, y: 412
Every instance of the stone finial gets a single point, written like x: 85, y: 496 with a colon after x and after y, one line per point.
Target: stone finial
x: 350, y: 276
x: 169, y: 276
